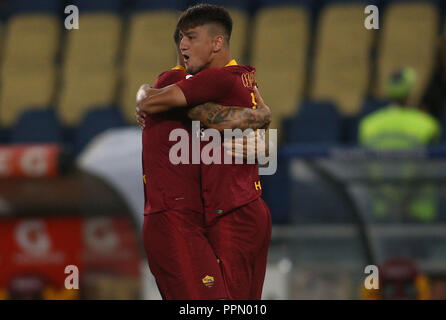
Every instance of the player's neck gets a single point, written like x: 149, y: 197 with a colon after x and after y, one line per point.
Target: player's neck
x: 221, y: 60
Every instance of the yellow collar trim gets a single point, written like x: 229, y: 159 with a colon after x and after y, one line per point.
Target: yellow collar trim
x: 179, y: 67
x: 232, y: 63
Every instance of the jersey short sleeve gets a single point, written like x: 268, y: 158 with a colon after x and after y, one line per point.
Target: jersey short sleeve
x: 207, y: 85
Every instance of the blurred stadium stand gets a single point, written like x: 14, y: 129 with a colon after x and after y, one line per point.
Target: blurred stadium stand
x: 303, y: 50
x: 95, y: 122
x: 336, y: 66
x: 318, y: 69
x: 409, y: 37
x: 301, y: 128
x: 90, y: 68
x: 37, y: 126
x: 280, y: 61
x: 28, y: 72
x: 150, y: 23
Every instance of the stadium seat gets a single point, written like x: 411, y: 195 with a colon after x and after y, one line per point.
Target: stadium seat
x: 95, y: 122
x: 83, y: 91
x: 342, y: 56
x: 239, y: 37
x: 90, y: 71
x: 150, y: 50
x: 371, y: 105
x: 31, y: 41
x: 37, y: 126
x: 23, y: 90
x: 408, y: 39
x: 28, y: 70
x: 349, y: 128
x: 95, y: 46
x: 5, y: 135
x: 316, y: 123
x: 279, y: 52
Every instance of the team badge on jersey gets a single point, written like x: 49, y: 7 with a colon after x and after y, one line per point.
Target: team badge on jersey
x: 208, y: 281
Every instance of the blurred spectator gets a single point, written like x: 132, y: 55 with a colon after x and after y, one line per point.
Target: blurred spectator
x: 400, y: 127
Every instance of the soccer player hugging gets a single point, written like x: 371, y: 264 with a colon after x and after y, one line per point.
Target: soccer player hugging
x: 206, y: 230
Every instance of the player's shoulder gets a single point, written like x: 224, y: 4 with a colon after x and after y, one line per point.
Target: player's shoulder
x: 240, y: 69
x: 228, y: 71
x: 171, y: 76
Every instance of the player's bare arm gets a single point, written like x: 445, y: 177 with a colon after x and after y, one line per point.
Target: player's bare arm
x: 213, y: 115
x: 216, y: 116
x: 219, y: 117
x: 161, y: 100
x: 144, y: 91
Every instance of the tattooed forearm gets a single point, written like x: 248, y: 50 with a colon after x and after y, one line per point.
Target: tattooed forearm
x: 219, y: 117
x: 205, y: 112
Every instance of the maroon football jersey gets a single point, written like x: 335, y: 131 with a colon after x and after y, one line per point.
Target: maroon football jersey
x: 168, y: 186
x: 224, y: 187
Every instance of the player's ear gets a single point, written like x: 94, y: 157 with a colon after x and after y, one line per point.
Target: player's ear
x: 219, y: 42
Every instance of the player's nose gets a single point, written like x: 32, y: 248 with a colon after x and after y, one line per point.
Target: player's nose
x: 184, y: 45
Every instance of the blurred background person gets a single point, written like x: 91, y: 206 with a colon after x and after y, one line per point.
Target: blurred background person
x: 399, y: 126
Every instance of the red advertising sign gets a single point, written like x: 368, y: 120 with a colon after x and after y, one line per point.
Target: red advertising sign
x: 33, y: 161
x: 35, y: 254
x: 110, y: 244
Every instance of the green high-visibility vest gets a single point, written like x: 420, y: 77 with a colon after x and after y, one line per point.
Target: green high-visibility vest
x: 397, y: 127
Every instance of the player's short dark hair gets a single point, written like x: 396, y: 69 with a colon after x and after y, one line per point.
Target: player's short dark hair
x: 205, y: 13
x: 177, y: 36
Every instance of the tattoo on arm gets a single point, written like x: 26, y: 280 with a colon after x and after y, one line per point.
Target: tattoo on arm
x: 213, y: 115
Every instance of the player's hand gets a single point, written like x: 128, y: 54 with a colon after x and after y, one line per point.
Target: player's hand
x: 262, y: 107
x: 140, y: 118
x: 246, y: 147
x: 140, y: 96
x: 142, y: 93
